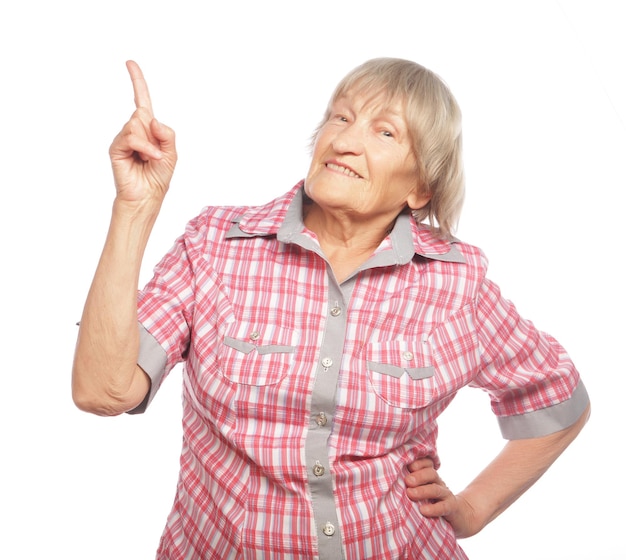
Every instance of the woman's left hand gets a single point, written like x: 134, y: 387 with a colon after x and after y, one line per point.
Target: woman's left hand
x: 435, y: 499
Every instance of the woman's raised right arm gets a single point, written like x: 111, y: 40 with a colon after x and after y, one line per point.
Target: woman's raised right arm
x: 106, y: 379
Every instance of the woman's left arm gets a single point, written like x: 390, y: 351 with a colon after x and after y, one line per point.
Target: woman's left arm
x: 516, y: 468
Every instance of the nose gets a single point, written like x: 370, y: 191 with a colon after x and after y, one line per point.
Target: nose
x: 348, y: 140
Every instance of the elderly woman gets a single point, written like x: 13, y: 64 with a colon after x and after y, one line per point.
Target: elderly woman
x: 322, y: 334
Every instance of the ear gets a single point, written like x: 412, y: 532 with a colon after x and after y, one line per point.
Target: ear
x: 418, y: 199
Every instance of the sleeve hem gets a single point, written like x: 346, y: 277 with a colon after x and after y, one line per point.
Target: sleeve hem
x: 153, y: 360
x: 547, y: 420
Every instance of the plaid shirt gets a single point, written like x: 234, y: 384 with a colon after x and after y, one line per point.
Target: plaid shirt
x: 304, y: 400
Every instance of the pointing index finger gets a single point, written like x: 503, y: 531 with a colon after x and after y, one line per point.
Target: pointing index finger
x: 140, y: 87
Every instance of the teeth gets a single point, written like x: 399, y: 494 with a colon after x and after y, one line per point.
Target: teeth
x: 342, y: 169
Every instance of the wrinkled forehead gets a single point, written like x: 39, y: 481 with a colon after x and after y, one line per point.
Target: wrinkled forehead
x: 373, y: 91
x: 377, y: 97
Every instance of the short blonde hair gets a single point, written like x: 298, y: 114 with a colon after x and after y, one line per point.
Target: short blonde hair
x: 434, y: 121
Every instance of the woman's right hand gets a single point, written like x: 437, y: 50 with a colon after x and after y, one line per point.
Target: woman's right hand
x: 143, y: 154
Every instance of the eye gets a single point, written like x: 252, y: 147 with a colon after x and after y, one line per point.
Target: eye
x: 387, y: 133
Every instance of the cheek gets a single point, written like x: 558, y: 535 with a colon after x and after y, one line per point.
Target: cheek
x: 322, y: 141
x: 309, y: 175
x: 317, y: 152
x: 404, y: 172
x: 314, y: 168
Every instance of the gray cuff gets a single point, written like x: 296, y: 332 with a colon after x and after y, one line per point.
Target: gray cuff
x: 152, y: 359
x: 547, y: 420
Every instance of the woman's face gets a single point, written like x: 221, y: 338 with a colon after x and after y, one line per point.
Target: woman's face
x: 363, y: 164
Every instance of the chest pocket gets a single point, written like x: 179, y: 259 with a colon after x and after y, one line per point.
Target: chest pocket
x: 401, y: 372
x: 252, y: 354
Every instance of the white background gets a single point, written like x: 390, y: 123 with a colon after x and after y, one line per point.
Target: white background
x: 542, y: 87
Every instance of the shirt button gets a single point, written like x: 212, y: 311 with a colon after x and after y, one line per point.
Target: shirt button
x: 321, y: 419
x: 327, y: 362
x: 407, y: 355
x: 328, y: 529
x: 318, y: 469
x: 254, y: 335
x: 335, y: 311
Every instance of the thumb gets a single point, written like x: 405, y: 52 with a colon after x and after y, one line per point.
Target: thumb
x: 164, y: 134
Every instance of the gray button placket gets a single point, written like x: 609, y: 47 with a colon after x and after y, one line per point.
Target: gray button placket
x: 321, y: 422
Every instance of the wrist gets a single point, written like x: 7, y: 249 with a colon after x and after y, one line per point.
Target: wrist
x: 130, y: 227
x: 476, y: 513
x: 136, y: 209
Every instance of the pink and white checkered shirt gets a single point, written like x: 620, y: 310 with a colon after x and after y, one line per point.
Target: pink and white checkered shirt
x: 304, y: 400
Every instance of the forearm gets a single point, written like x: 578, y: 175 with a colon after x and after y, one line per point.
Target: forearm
x: 518, y: 466
x: 106, y: 379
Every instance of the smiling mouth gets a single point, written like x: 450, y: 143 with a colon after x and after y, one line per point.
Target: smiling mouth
x: 343, y: 170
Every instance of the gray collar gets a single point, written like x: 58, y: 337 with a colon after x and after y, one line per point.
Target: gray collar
x: 407, y: 238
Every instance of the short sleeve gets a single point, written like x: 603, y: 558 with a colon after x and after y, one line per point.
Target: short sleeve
x: 165, y: 309
x: 535, y: 388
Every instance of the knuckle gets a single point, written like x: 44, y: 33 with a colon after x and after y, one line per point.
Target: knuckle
x: 134, y: 125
